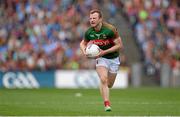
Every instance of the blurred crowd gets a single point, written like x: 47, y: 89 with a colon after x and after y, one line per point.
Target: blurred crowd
x: 156, y: 26
x: 44, y: 34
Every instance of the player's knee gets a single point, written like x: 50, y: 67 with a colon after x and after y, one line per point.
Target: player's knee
x: 110, y: 85
x: 104, y: 80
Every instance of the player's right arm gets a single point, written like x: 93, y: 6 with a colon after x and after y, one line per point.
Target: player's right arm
x: 84, y: 42
x: 83, y: 45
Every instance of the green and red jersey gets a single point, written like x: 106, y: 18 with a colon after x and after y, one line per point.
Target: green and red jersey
x: 103, y: 38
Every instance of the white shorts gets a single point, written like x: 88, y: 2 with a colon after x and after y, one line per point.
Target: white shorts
x: 111, y: 64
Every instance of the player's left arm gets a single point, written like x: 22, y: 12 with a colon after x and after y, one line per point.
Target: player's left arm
x: 118, y: 45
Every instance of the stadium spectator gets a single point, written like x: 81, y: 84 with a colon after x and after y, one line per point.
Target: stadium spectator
x: 156, y: 25
x: 42, y: 35
x: 39, y: 34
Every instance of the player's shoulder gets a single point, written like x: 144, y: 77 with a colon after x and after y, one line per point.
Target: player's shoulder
x: 109, y: 26
x: 90, y: 29
x: 88, y: 32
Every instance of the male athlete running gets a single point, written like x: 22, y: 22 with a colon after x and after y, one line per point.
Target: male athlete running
x: 107, y: 38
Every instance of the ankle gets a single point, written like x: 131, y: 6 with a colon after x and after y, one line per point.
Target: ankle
x: 106, y: 103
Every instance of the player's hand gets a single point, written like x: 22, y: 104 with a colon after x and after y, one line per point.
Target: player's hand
x: 87, y: 55
x: 101, y: 53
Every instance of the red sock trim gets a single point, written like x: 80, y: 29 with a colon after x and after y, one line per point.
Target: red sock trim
x: 106, y: 103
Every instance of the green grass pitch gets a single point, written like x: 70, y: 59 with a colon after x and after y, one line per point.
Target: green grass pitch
x: 88, y: 102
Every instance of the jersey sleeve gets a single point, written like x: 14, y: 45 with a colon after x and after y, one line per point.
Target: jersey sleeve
x: 86, y: 36
x: 115, y: 32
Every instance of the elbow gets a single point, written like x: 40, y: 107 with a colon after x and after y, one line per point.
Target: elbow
x: 120, y: 44
x: 81, y: 44
x: 121, y: 47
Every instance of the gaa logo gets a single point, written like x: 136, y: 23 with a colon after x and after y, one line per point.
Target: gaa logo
x: 19, y: 80
x: 88, y: 79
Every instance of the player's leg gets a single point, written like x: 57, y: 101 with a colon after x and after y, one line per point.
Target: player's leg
x: 111, y: 79
x: 102, y: 70
x: 113, y: 69
x: 103, y: 75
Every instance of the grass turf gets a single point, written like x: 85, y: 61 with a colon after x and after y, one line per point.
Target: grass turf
x: 88, y: 102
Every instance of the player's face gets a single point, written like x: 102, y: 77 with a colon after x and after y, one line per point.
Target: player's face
x: 94, y: 19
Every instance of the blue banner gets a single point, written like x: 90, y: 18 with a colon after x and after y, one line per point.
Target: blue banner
x: 34, y: 79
